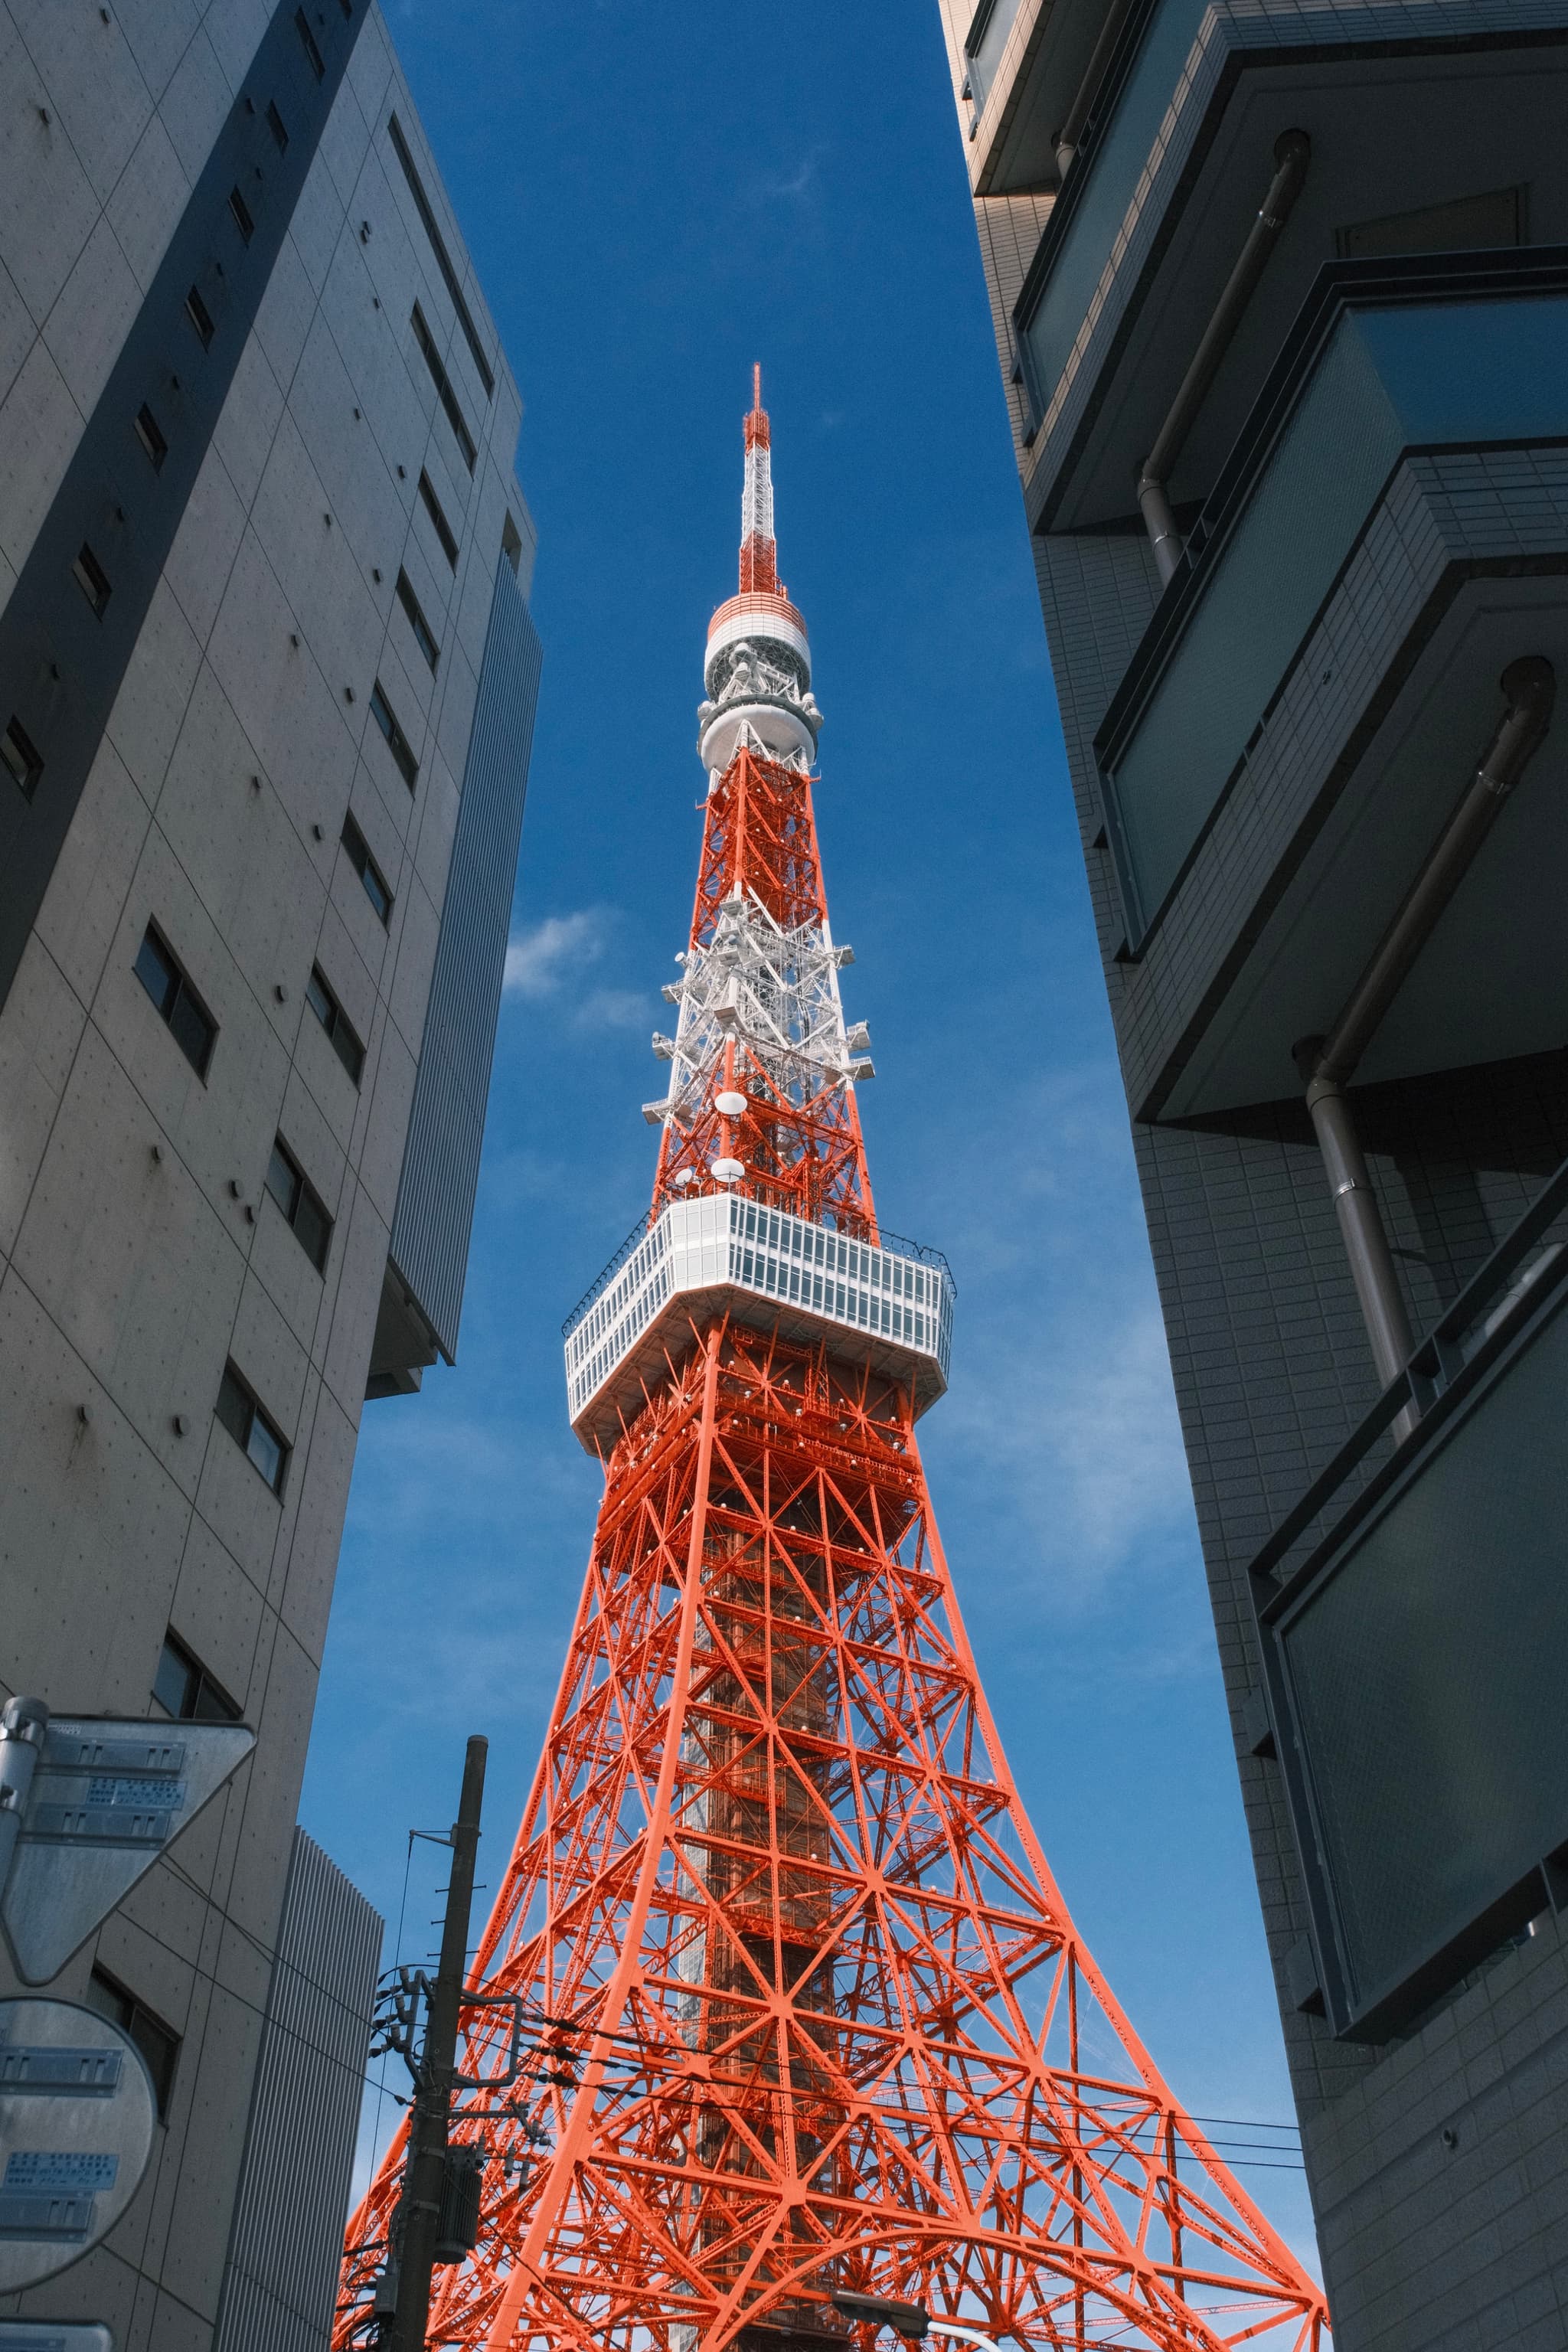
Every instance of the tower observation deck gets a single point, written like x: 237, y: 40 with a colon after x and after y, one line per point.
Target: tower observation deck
x: 803, y: 2012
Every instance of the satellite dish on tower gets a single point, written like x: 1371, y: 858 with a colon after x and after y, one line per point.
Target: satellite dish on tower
x: 730, y: 1105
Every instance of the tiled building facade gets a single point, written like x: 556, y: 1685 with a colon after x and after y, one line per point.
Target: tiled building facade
x: 1247, y: 274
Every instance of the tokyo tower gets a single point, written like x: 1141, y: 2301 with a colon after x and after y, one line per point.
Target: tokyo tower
x: 804, y: 2011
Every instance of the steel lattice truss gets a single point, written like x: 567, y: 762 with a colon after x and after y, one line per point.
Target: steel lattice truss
x: 824, y: 2017
x: 810, y: 2011
x: 759, y: 1012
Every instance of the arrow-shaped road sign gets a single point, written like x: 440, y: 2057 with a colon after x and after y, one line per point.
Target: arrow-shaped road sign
x: 87, y: 1805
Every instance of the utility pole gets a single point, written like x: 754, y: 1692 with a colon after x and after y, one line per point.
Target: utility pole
x: 426, y: 2168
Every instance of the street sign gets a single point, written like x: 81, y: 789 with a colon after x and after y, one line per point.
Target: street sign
x: 76, y: 2113
x: 93, y: 1801
x: 53, y: 2336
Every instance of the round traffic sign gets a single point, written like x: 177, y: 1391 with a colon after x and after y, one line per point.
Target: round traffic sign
x: 77, y: 2116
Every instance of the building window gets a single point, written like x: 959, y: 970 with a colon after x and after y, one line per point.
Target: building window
x: 511, y: 542
x: 91, y: 579
x: 300, y: 1204
x: 335, y: 1021
x: 151, y: 438
x: 23, y: 764
x: 443, y: 383
x: 251, y: 1429
x: 307, y: 43
x: 158, y: 2042
x: 365, y: 867
x: 443, y: 259
x: 184, y: 1688
x: 241, y: 212
x: 200, y: 317
x: 424, y: 636
x: 443, y: 530
x: 161, y: 974
x: 275, y: 124
x: 402, y: 749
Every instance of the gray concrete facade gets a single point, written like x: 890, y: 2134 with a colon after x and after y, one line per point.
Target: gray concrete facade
x: 358, y: 472
x: 1437, y: 2150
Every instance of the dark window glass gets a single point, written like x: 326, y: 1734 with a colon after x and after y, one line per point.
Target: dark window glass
x: 334, y: 1020
x: 200, y: 317
x: 158, y: 2042
x: 402, y: 749
x: 365, y: 867
x: 184, y: 1689
x: 195, y: 1030
x: 275, y: 124
x: 151, y: 438
x: 250, y: 1429
x: 512, y: 543
x: 424, y: 636
x: 91, y: 579
x: 301, y: 1204
x: 443, y: 259
x: 443, y: 530
x: 347, y: 7
x: 23, y: 764
x: 443, y: 383
x: 307, y: 43
x: 241, y: 212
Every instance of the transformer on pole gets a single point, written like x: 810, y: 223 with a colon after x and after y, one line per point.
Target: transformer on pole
x: 814, y: 2038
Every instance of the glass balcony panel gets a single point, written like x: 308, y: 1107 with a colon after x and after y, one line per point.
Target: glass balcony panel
x: 1120, y: 157
x: 1424, y: 1668
x: 986, y: 55
x: 1411, y: 376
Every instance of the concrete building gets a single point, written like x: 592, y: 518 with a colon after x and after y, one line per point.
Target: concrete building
x: 1281, y: 296
x: 267, y: 683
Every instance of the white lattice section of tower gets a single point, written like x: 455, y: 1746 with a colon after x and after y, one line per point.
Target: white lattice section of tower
x: 757, y: 496
x: 774, y: 993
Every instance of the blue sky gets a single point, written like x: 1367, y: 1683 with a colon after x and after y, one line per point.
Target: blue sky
x: 657, y: 192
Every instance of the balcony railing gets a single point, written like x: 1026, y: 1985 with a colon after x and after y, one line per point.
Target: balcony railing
x: 1386, y: 361
x: 1413, y: 1611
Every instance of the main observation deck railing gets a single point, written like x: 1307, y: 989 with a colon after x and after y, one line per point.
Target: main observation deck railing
x: 898, y: 1294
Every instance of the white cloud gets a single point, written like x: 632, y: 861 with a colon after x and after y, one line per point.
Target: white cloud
x: 544, y: 956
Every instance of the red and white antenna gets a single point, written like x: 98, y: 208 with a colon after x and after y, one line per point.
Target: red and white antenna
x: 759, y: 554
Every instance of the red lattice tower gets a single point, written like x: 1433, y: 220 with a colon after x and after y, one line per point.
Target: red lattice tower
x: 808, y: 2011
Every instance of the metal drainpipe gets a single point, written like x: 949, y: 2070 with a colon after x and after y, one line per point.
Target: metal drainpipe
x: 1330, y: 1062
x: 1066, y: 138
x: 1292, y: 152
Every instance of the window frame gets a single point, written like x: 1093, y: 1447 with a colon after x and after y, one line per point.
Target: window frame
x: 424, y: 635
x: 304, y: 1195
x: 446, y: 391
x: 92, y: 579
x: 372, y: 881
x: 150, y: 434
x: 116, y: 2001
x: 202, y: 321
x: 169, y: 1003
x: 244, y: 219
x: 437, y: 514
x: 397, y: 742
x: 202, y: 1684
x: 16, y: 740
x: 237, y: 1396
x: 337, y: 1025
x: 313, y: 57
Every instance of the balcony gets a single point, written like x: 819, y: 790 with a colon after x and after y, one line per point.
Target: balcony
x: 1173, y: 164
x: 1414, y: 1652
x: 1024, y: 63
x: 888, y: 1305
x: 1320, y: 677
